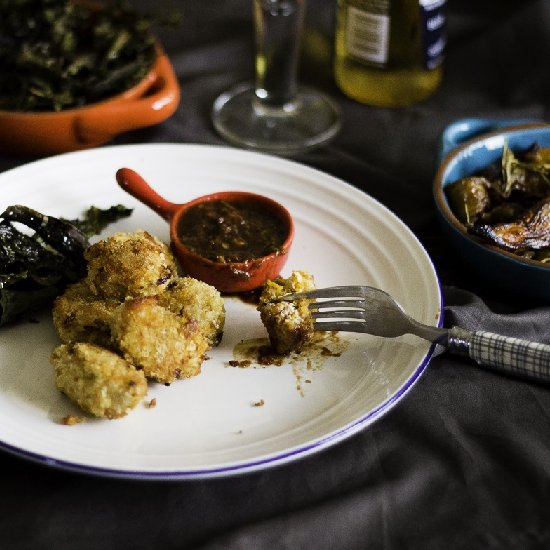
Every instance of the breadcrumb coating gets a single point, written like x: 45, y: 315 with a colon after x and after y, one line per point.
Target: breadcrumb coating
x: 98, y: 380
x: 131, y: 311
x: 129, y: 265
x: 153, y: 338
x: 288, y: 324
x: 80, y: 316
x: 196, y: 301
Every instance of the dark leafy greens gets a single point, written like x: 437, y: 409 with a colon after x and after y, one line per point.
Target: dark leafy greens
x: 95, y: 219
x: 40, y: 255
x: 530, y: 175
x: 61, y: 54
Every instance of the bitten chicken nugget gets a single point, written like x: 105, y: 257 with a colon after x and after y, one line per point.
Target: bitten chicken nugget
x: 129, y: 265
x: 196, y: 301
x: 80, y: 316
x: 160, y: 342
x: 99, y: 381
x: 289, y: 324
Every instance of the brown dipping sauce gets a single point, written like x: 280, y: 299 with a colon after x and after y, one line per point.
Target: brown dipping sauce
x: 232, y: 231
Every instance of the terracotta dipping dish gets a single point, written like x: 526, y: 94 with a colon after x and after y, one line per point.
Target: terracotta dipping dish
x: 152, y: 100
x: 230, y: 278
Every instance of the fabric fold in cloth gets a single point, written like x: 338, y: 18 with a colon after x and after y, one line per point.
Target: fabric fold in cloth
x: 467, y: 310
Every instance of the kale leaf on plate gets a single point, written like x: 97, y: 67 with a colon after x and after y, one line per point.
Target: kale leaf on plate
x: 40, y: 255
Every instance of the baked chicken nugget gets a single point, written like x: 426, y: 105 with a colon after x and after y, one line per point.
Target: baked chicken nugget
x: 99, y: 381
x: 196, y: 301
x: 80, y: 316
x: 129, y: 265
x: 289, y: 324
x: 157, y: 340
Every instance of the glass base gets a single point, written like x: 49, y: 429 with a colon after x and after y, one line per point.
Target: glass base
x: 309, y: 121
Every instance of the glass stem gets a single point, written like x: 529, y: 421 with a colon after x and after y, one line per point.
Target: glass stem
x: 278, y: 25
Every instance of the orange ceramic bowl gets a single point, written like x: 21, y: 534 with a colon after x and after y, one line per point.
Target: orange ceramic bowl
x: 230, y: 278
x: 152, y: 100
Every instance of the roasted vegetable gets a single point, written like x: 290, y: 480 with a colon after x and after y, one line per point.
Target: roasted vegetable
x: 508, y: 203
x: 502, y: 213
x: 469, y: 197
x: 530, y: 178
x: 530, y: 232
x: 61, y: 54
x: 37, y: 265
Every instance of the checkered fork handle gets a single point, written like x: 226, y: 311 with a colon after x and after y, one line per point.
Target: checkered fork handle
x: 513, y: 355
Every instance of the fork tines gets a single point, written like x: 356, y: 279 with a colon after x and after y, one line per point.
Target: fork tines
x: 339, y: 305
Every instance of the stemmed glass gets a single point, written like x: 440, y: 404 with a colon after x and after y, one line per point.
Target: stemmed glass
x: 275, y: 114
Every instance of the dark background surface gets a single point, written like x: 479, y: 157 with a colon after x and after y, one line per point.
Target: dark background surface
x: 463, y: 461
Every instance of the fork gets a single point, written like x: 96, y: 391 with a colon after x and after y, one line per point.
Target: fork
x: 372, y: 311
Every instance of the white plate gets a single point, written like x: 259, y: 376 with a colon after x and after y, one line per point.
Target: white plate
x: 208, y: 425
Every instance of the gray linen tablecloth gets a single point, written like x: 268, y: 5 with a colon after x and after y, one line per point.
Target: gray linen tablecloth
x: 463, y: 461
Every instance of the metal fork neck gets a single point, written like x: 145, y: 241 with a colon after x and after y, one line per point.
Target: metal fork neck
x: 459, y: 341
x: 433, y: 334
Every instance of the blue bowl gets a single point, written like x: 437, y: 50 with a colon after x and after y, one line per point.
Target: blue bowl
x: 469, y: 145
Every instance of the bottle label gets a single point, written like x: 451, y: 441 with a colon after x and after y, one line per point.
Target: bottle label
x: 368, y: 32
x: 368, y: 26
x: 432, y: 22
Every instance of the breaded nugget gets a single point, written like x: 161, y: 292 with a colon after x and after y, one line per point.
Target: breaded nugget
x: 98, y: 380
x: 196, y: 301
x: 80, y: 316
x: 157, y: 340
x: 289, y: 324
x: 129, y: 265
